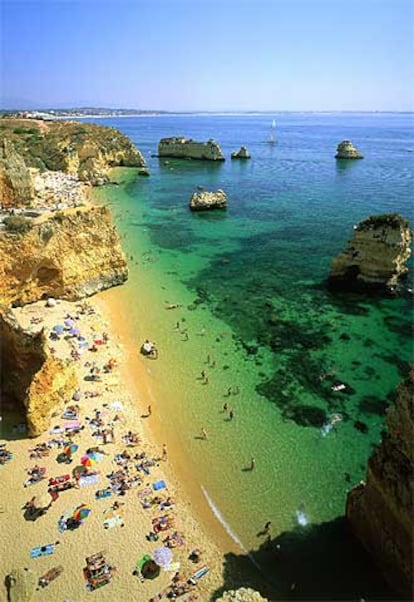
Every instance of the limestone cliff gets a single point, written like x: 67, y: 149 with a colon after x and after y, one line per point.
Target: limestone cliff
x: 30, y: 376
x: 16, y: 186
x: 381, y: 510
x: 376, y: 256
x: 69, y: 254
x: 184, y: 148
x: 80, y: 149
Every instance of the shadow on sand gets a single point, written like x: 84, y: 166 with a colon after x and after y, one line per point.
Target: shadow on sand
x: 316, y: 562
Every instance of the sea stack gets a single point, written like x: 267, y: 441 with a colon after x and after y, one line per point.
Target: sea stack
x: 346, y: 150
x: 380, y: 510
x: 206, y: 201
x: 242, y: 153
x: 186, y: 148
x: 374, y: 260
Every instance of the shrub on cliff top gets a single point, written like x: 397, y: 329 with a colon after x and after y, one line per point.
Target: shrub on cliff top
x: 393, y: 220
x: 17, y: 224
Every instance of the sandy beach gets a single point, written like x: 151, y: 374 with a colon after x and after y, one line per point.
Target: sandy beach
x: 113, y: 400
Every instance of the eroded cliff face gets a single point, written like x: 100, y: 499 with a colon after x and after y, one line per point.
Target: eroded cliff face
x: 16, y: 186
x: 83, y: 150
x: 70, y: 254
x: 381, y: 510
x: 375, y: 259
x: 30, y: 376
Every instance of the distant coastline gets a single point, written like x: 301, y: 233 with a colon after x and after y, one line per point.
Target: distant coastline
x: 102, y: 113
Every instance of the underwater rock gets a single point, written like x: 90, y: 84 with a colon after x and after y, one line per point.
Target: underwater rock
x: 346, y: 150
x: 374, y: 260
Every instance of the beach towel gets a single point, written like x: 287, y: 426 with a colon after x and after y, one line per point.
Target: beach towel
x: 102, y: 493
x: 115, y: 521
x: 42, y: 550
x: 201, y: 572
x: 159, y: 485
x: 173, y: 567
x: 86, y: 480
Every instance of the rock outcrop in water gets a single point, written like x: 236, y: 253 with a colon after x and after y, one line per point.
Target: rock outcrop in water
x: 185, y: 148
x: 346, y: 150
x: 375, y: 258
x: 69, y: 254
x: 242, y: 153
x: 32, y: 378
x: 206, y: 201
x: 83, y: 150
x: 381, y: 510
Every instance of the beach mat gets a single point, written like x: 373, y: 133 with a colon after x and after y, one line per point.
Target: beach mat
x: 159, y: 485
x: 87, y: 480
x: 42, y: 550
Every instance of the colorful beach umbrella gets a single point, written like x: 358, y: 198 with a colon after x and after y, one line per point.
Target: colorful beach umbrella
x: 81, y: 512
x: 87, y: 461
x: 162, y: 556
x: 70, y: 449
x: 74, y: 332
x: 69, y: 323
x: 95, y: 456
x: 58, y: 328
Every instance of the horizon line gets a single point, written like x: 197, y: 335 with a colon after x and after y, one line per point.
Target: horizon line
x: 198, y: 111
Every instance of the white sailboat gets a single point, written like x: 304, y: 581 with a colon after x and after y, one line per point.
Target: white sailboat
x: 272, y: 138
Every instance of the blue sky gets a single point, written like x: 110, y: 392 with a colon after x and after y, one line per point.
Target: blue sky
x: 209, y: 54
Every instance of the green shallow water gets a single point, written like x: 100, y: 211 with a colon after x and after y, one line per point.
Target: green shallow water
x: 250, y: 284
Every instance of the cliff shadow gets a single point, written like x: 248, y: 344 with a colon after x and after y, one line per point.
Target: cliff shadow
x: 316, y: 562
x: 13, y: 419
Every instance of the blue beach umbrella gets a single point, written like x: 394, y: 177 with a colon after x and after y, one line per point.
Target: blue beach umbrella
x: 58, y: 328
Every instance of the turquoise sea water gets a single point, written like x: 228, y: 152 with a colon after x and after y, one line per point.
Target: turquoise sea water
x: 250, y: 283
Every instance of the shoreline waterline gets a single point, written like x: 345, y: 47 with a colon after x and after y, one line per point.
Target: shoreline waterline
x: 139, y: 381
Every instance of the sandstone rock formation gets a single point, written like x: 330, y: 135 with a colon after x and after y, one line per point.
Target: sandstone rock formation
x: 205, y: 201
x: 31, y: 378
x: 185, y: 148
x: 374, y: 260
x: 242, y: 153
x: 381, y: 510
x: 244, y: 594
x: 16, y: 186
x: 346, y: 150
x: 80, y: 149
x: 69, y: 254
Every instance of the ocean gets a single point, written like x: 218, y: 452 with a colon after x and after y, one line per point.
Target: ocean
x: 254, y: 314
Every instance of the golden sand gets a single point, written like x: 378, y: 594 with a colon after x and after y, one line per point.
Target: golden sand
x: 128, y: 384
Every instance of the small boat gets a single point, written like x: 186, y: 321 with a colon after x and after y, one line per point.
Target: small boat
x: 272, y: 139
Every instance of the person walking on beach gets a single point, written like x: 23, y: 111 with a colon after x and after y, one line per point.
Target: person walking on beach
x: 204, y: 433
x: 252, y: 463
x: 149, y: 411
x: 164, y: 452
x: 225, y: 407
x: 231, y: 415
x: 267, y: 526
